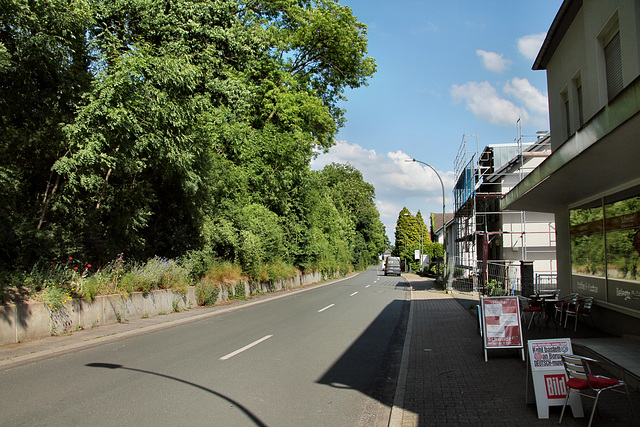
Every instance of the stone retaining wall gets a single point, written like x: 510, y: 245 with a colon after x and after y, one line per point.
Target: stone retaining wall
x: 35, y: 320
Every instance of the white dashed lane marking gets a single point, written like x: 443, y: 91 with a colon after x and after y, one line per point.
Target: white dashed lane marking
x: 245, y: 348
x: 326, y: 308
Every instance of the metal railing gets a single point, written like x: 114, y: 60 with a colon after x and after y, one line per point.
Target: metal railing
x: 546, y: 282
x: 503, y: 277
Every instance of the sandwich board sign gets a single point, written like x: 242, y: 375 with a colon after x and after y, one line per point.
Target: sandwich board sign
x: 547, y: 374
x: 501, y: 326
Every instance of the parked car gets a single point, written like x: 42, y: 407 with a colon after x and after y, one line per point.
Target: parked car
x: 392, y: 266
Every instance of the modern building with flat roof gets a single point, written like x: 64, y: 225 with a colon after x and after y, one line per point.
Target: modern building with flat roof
x: 591, y: 181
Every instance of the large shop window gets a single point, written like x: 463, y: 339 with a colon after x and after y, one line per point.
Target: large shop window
x: 605, y: 251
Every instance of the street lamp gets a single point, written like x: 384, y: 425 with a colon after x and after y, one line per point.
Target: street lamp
x: 444, y: 221
x: 405, y: 243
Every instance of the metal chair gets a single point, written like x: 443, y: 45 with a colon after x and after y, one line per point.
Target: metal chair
x: 549, y: 294
x: 581, y: 380
x: 562, y: 304
x: 526, y: 306
x: 579, y: 307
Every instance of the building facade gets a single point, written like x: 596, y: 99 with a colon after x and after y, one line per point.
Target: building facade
x: 490, y: 243
x: 591, y: 181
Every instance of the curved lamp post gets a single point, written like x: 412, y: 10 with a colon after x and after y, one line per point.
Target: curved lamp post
x: 405, y: 242
x: 444, y: 221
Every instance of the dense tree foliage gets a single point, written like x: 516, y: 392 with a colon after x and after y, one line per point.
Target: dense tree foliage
x: 168, y: 127
x: 412, y: 234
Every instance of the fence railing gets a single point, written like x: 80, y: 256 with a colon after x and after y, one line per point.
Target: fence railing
x: 546, y: 282
x: 503, y: 277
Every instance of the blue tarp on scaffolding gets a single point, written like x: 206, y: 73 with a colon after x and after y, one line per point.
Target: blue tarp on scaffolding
x: 465, y: 186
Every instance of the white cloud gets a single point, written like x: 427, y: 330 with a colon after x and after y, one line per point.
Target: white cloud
x: 487, y: 104
x: 535, y: 101
x: 529, y: 46
x: 483, y: 101
x: 494, y: 61
x: 398, y: 183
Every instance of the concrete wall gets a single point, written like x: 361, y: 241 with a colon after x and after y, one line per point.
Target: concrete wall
x: 35, y: 320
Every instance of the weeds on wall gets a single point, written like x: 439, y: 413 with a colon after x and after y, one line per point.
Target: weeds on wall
x: 59, y: 282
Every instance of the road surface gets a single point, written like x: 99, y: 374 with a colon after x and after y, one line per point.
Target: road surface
x: 326, y: 356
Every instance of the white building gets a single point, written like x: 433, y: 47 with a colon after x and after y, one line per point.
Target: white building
x: 490, y: 243
x: 591, y: 181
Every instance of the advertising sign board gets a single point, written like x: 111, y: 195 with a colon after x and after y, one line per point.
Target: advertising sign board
x: 548, y: 376
x: 501, y: 326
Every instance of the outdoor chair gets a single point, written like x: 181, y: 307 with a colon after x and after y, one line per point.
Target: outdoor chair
x: 581, y: 307
x: 549, y: 294
x: 526, y: 306
x: 581, y: 380
x: 562, y: 305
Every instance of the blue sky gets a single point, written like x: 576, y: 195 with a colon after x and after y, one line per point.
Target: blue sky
x: 445, y: 69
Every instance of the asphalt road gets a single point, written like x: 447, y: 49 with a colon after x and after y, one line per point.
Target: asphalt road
x: 325, y: 357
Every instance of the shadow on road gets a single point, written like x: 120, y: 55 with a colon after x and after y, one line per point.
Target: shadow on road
x: 249, y: 414
x: 371, y: 364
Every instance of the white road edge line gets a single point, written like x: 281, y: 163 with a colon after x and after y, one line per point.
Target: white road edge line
x: 326, y: 308
x: 353, y: 293
x: 246, y: 347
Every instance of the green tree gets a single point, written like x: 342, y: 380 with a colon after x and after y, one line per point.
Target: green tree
x: 43, y: 74
x: 354, y: 199
x: 158, y: 128
x: 415, y: 231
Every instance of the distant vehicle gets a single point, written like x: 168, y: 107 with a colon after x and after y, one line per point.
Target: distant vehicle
x: 392, y: 266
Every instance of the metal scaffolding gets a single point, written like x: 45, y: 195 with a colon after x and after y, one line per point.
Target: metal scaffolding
x: 482, y: 233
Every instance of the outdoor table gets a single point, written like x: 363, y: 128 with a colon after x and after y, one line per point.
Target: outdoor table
x: 550, y: 308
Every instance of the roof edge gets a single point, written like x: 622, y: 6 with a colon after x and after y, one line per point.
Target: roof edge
x: 561, y: 23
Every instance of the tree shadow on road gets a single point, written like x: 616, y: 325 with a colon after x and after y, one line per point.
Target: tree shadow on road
x: 249, y: 414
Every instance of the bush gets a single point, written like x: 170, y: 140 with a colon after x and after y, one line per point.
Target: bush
x: 56, y: 297
x: 270, y: 273
x: 207, y: 293
x: 495, y: 288
x: 239, y: 292
x: 223, y: 273
x: 198, y: 263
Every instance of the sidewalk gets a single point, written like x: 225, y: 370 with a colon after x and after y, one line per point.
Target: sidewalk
x: 447, y: 382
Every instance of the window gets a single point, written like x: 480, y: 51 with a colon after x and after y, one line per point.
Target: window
x: 605, y: 249
x: 567, y: 112
x: 613, y: 65
x: 578, y: 83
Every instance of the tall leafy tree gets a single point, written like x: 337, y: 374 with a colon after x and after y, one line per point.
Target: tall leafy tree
x: 412, y: 230
x: 354, y: 198
x: 161, y: 127
x: 43, y: 74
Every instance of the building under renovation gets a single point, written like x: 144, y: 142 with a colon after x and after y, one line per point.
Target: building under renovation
x: 489, y: 245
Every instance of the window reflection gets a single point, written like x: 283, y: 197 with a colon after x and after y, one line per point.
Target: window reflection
x: 587, y: 242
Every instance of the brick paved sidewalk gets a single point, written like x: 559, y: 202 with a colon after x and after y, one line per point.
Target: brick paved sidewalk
x: 448, y: 382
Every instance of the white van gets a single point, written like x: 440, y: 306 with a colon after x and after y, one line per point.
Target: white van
x: 392, y: 266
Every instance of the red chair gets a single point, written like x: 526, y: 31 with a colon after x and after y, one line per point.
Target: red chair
x: 526, y: 306
x: 581, y: 307
x: 562, y: 305
x: 581, y: 380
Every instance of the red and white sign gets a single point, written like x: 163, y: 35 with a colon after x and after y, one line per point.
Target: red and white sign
x: 548, y: 375
x: 556, y: 386
x: 501, y: 322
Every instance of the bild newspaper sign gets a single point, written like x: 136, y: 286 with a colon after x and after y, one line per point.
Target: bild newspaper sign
x: 547, y: 375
